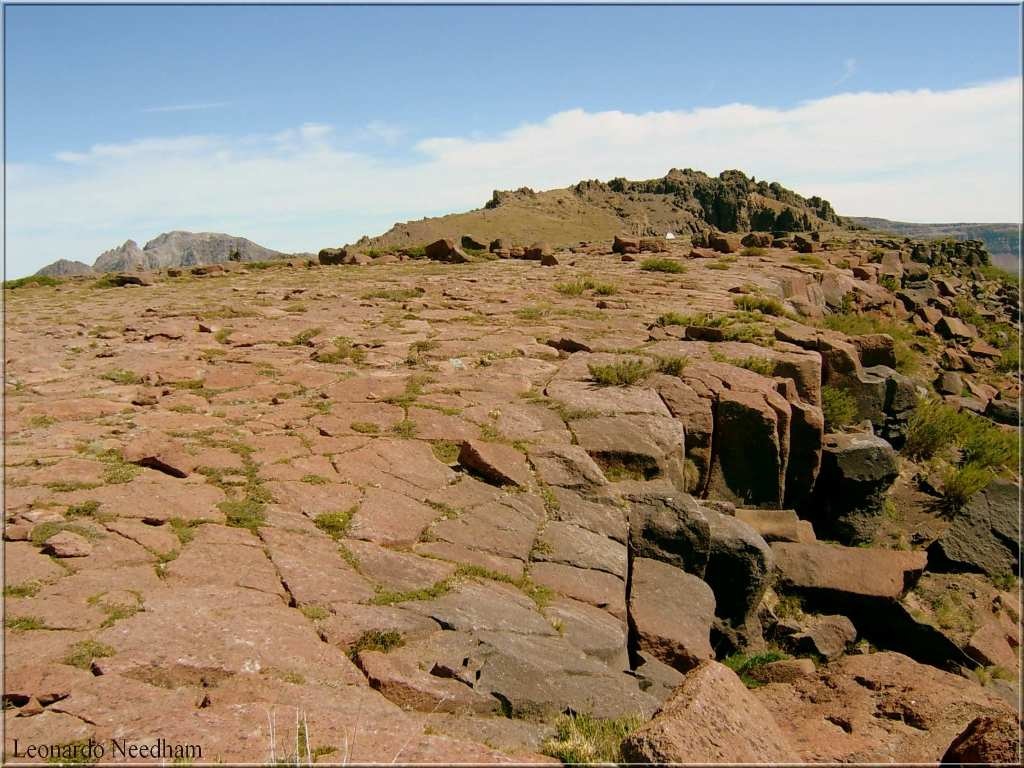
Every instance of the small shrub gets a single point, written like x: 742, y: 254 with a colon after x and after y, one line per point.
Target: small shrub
x: 244, y: 513
x: 446, y: 451
x: 405, y: 429
x: 582, y: 738
x: 618, y: 374
x: 767, y: 305
x: 931, y: 428
x: 672, y: 366
x: 961, y: 483
x: 662, y: 265
x: 808, y: 259
x: 605, y: 289
x: 394, y: 294
x: 890, y: 282
x: 82, y: 653
x: 364, y: 427
x: 744, y: 663
x: 752, y: 252
x: 376, y: 640
x: 335, y: 524
x: 760, y: 365
x: 343, y: 349
x: 315, y: 612
x: 121, y: 376
x: 24, y: 623
x: 839, y: 408
x: 28, y: 589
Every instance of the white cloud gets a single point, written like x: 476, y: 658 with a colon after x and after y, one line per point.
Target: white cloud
x: 912, y: 155
x: 188, y: 107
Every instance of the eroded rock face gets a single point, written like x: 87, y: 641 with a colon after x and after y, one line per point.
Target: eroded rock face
x: 987, y: 740
x: 710, y: 718
x: 670, y: 613
x: 879, y: 707
x: 984, y: 535
x: 268, y: 507
x: 856, y: 473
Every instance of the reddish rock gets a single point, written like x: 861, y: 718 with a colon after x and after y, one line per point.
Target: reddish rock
x: 625, y: 245
x: 162, y: 454
x: 537, y: 251
x: 670, y: 613
x: 847, y: 570
x: 724, y: 243
x: 710, y: 718
x: 67, y: 544
x: 496, y: 462
x: 955, y: 328
x: 987, y: 741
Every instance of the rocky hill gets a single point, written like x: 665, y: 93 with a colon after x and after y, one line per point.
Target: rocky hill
x: 65, y: 268
x: 1002, y: 241
x: 171, y: 249
x: 730, y: 497
x: 681, y: 202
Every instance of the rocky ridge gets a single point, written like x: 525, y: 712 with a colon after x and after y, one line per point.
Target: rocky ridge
x: 446, y: 509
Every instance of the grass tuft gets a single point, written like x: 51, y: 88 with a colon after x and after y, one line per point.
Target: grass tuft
x: 662, y: 265
x: 582, y: 738
x: 619, y: 374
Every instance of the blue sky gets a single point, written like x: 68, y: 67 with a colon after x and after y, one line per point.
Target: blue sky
x: 420, y: 110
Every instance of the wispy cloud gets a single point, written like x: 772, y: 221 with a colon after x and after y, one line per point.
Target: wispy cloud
x: 188, y: 107
x: 936, y: 156
x: 849, y: 70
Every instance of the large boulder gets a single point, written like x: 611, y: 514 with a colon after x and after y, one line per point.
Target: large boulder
x: 832, y: 571
x: 625, y: 244
x: 332, y: 256
x: 987, y: 740
x: 538, y: 251
x: 710, y: 718
x: 445, y: 250
x: 724, y: 243
x: 856, y: 472
x: 740, y: 565
x: 757, y: 240
x: 670, y: 613
x: 984, y: 536
x: 876, y: 708
x: 671, y: 528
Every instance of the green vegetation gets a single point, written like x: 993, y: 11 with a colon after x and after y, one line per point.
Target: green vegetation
x: 243, y: 513
x: 393, y: 294
x: 25, y: 282
x: 82, y: 653
x: 672, y: 365
x: 364, y: 427
x: 580, y: 285
x: 619, y: 374
x: 582, y: 738
x: 768, y: 305
x: 663, y: 265
x: 315, y: 612
x: 853, y: 323
x: 744, y: 663
x: 446, y: 451
x: 343, y: 349
x: 839, y: 407
x: 405, y: 429
x: 24, y: 623
x: 760, y: 365
x: 303, y: 338
x: 752, y: 251
x: 28, y: 589
x: 808, y: 259
x: 121, y: 376
x: 890, y: 282
x: 335, y: 524
x: 976, y: 449
x: 376, y: 640
x: 434, y: 591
